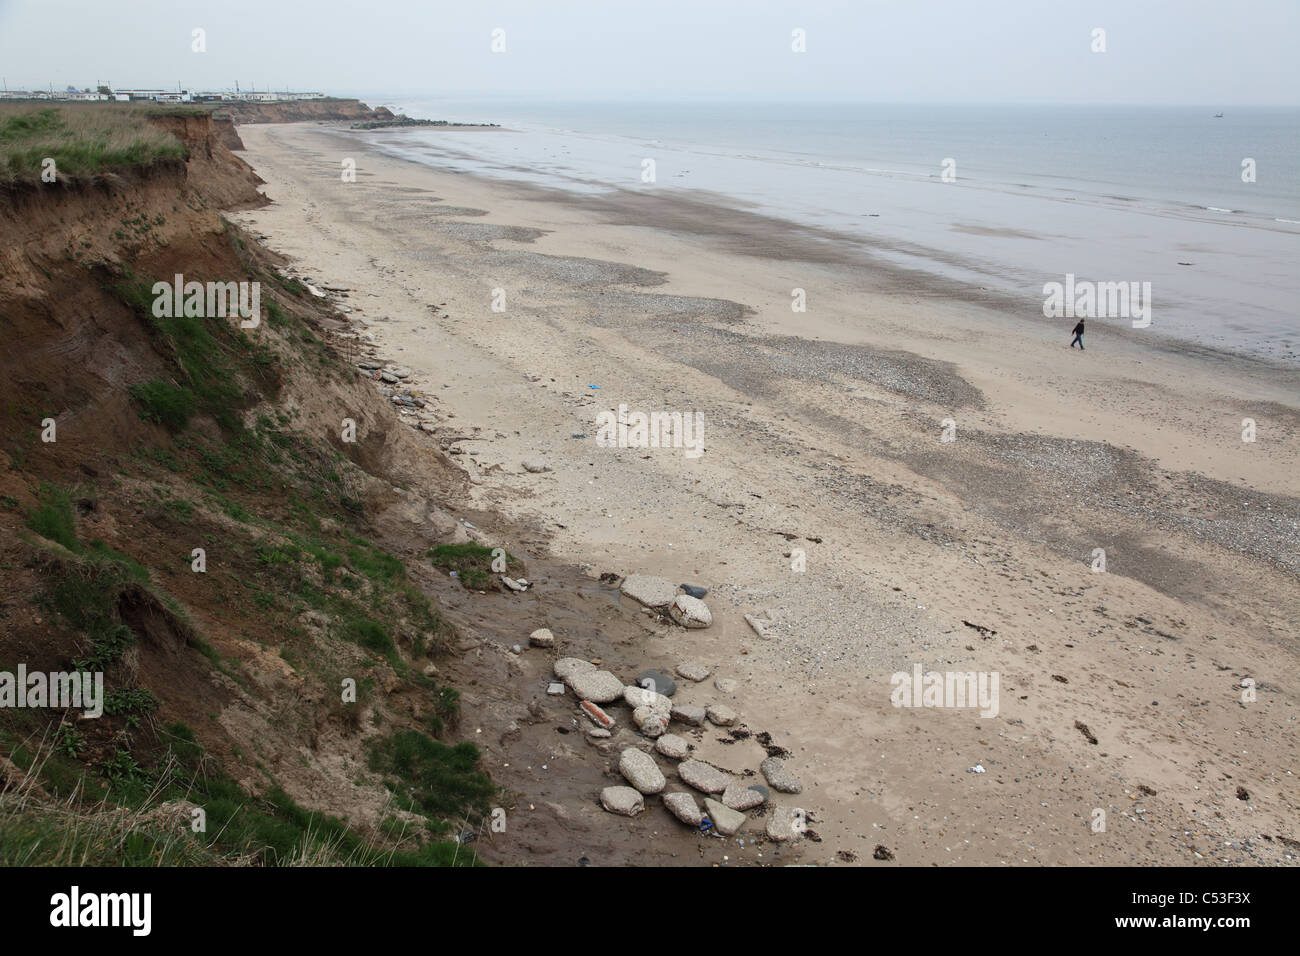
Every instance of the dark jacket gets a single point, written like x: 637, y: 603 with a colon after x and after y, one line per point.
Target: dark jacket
x: 1078, y: 329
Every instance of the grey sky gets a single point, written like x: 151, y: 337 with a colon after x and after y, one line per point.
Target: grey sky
x: 1158, y: 51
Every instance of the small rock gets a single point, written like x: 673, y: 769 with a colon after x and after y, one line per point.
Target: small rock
x: 555, y: 688
x: 778, y: 778
x: 513, y: 585
x: 725, y: 820
x: 786, y: 823
x: 673, y: 747
x: 690, y: 612
x: 640, y: 770
x: 536, y: 466
x: 687, y: 714
x: 599, y: 733
x: 657, y: 681
x: 649, y: 590
x: 596, y: 715
x: 737, y: 796
x: 721, y: 715
x: 639, y: 697
x: 694, y: 590
x: 569, y: 667
x: 650, y: 722
x: 725, y: 684
x: 542, y: 637
x: 624, y: 801
x: 702, y: 776
x: 693, y: 670
x: 684, y: 808
x: 599, y: 686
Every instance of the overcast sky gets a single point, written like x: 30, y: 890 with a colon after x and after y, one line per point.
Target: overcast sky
x: 1157, y: 51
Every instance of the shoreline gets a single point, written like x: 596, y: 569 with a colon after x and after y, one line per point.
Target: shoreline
x: 828, y: 430
x: 1010, y: 238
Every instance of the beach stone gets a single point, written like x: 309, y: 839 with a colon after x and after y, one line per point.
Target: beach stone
x: 702, y: 776
x: 693, y: 670
x: 774, y: 772
x: 761, y: 790
x: 737, y: 796
x: 673, y: 747
x: 721, y: 715
x: 599, y: 733
x: 622, y: 800
x: 725, y: 820
x: 785, y: 823
x: 639, y: 769
x: 690, y: 612
x: 651, y: 722
x: 684, y: 808
x: 687, y: 714
x: 725, y: 684
x: 536, y: 466
x: 542, y: 637
x: 599, y: 686
x: 649, y: 590
x: 662, y: 683
x: 555, y: 687
x: 596, y: 715
x: 639, y: 697
x: 694, y: 590
x: 567, y: 667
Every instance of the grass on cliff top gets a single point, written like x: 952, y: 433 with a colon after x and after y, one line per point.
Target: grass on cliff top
x: 82, y: 139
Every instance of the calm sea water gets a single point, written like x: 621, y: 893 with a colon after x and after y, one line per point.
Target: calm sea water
x: 1105, y: 193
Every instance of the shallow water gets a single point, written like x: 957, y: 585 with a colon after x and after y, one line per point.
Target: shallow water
x: 1132, y: 194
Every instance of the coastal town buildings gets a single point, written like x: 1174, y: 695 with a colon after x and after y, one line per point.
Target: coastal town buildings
x: 178, y: 95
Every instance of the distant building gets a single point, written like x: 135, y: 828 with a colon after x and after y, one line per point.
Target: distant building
x: 162, y: 96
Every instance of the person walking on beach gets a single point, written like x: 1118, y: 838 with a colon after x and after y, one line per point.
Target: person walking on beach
x: 1078, y: 336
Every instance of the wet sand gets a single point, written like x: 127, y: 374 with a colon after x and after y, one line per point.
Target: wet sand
x: 823, y: 432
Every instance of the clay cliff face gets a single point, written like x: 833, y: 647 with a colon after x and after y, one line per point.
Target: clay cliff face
x: 299, y: 111
x: 172, y: 434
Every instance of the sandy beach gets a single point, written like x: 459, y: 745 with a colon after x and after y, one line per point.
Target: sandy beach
x: 828, y: 504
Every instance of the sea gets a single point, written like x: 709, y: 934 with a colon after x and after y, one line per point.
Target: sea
x: 1008, y: 197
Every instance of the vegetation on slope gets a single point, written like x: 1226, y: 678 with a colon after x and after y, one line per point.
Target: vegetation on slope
x: 291, y: 570
x: 82, y: 139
